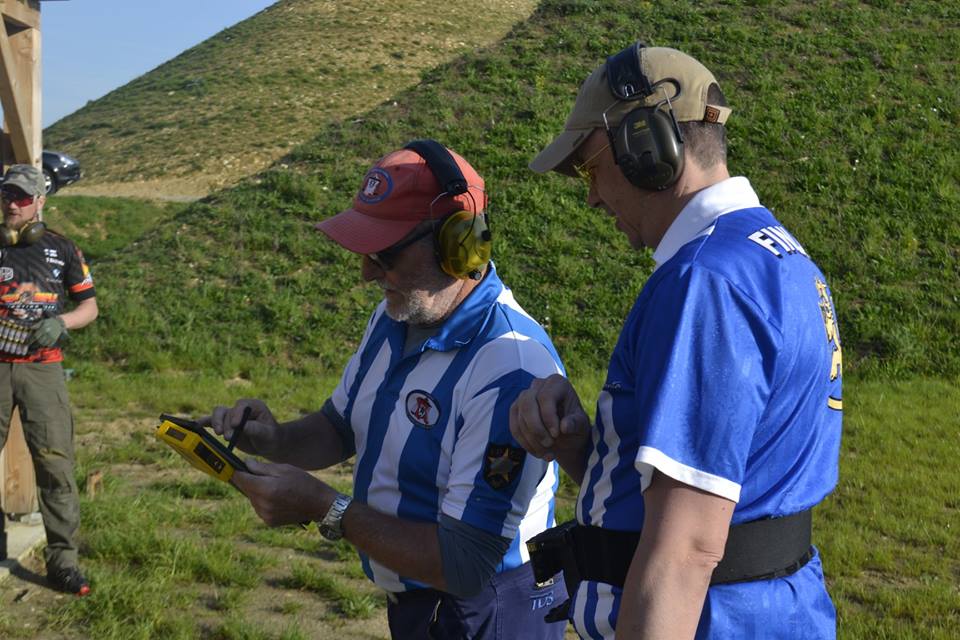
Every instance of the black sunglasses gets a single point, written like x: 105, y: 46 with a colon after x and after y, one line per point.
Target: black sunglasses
x: 385, y: 258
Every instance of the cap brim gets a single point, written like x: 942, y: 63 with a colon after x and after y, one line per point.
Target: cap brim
x: 557, y: 156
x: 361, y: 233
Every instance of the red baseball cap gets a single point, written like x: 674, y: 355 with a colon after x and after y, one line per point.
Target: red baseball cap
x: 395, y: 196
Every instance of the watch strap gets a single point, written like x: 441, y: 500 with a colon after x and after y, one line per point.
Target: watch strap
x: 330, y: 527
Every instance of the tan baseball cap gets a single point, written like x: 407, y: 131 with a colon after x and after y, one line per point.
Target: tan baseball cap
x: 595, y: 98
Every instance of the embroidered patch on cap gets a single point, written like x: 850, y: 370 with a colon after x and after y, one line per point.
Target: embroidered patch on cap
x: 502, y: 464
x: 423, y: 409
x: 377, y: 185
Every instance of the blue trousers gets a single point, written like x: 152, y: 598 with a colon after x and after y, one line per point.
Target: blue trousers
x: 509, y: 607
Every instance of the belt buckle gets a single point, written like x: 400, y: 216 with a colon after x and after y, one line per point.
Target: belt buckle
x: 549, y: 582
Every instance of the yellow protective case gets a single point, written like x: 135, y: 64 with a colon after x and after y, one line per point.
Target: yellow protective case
x: 199, y: 447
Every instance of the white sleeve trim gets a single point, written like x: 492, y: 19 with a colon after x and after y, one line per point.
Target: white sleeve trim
x: 649, y: 459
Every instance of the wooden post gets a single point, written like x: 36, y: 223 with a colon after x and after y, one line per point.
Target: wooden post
x: 20, y: 91
x: 18, y: 491
x: 20, y: 86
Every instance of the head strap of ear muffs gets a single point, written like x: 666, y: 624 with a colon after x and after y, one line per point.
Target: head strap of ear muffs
x: 463, y: 242
x: 647, y: 145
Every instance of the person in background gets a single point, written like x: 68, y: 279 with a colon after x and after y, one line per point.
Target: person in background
x: 41, y: 272
x: 718, y: 427
x: 443, y: 497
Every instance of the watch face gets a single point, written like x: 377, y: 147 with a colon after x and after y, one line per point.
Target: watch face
x: 329, y: 532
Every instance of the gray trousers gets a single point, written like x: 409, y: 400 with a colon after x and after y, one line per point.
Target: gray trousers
x: 41, y: 393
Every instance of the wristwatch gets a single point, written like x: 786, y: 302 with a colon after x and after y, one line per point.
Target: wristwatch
x: 330, y: 525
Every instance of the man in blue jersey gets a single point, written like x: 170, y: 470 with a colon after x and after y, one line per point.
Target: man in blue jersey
x: 444, y: 498
x: 718, y: 426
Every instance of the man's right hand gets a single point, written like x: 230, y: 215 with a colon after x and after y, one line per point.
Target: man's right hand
x: 549, y: 422
x: 261, y: 433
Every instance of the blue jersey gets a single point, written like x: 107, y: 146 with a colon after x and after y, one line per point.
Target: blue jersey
x: 726, y: 377
x: 432, y: 427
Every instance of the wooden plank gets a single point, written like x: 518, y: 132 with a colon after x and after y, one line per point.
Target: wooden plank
x: 25, y: 14
x: 26, y: 45
x: 22, y: 134
x: 11, y: 97
x: 18, y: 491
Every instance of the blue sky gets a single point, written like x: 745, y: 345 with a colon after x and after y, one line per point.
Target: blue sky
x: 91, y: 47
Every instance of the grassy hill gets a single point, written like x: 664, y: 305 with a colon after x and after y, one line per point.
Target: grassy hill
x: 849, y: 137
x: 238, y: 101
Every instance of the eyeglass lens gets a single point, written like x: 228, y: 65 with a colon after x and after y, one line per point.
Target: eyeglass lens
x: 384, y: 259
x: 16, y: 197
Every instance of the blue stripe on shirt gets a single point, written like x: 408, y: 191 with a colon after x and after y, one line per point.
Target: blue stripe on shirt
x: 420, y: 460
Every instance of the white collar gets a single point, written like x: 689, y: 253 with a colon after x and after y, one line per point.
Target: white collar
x: 699, y: 215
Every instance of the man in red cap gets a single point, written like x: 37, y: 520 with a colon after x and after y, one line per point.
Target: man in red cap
x: 444, y: 498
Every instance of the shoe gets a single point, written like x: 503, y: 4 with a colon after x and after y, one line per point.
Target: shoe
x: 69, y: 580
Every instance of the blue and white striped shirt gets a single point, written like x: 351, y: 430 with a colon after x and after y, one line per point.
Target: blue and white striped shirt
x: 432, y: 428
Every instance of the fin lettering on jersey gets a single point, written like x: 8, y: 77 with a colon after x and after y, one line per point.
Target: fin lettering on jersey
x: 777, y: 241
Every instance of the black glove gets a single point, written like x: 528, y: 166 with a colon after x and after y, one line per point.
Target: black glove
x: 49, y: 331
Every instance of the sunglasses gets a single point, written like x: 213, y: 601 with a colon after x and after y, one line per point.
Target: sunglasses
x: 17, y: 197
x: 385, y: 259
x: 586, y: 169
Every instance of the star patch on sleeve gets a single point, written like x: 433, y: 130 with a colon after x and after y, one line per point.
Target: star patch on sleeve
x: 502, y: 464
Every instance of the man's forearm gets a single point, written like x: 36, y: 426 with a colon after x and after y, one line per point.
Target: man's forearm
x: 412, y: 549
x: 85, y: 312
x: 310, y: 443
x: 663, y: 598
x: 683, y: 538
x: 574, y: 463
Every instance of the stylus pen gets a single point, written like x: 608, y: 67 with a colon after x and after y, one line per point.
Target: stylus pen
x: 239, y: 429
x: 236, y: 436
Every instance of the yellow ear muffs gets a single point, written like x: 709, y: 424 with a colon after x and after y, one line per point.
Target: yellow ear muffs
x: 27, y: 235
x: 8, y: 236
x: 32, y: 232
x: 464, y: 244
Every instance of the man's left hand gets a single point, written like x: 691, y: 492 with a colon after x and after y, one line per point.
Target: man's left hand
x: 48, y: 331
x: 283, y: 494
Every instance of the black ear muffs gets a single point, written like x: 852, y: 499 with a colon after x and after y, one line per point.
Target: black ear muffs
x: 463, y: 242
x: 647, y: 145
x: 29, y: 234
x: 646, y: 149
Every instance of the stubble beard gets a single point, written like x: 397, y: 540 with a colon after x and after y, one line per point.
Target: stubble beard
x: 426, y: 302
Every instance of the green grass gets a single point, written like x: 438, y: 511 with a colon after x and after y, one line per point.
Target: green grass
x: 349, y: 603
x: 106, y: 226
x: 889, y: 533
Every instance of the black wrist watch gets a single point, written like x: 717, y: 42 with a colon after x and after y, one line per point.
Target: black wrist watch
x: 330, y: 525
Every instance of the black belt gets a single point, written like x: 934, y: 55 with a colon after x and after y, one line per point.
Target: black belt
x: 756, y: 550
x: 404, y: 597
